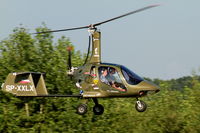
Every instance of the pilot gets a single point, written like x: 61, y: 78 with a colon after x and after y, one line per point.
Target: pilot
x: 103, y: 78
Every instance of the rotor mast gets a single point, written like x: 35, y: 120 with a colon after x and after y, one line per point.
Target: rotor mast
x: 96, y: 45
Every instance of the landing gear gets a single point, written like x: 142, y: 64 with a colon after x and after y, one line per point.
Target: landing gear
x: 140, y: 106
x: 82, y: 109
x: 98, y: 109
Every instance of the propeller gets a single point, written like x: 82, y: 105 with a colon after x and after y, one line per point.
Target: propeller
x: 69, y: 49
x: 97, y: 24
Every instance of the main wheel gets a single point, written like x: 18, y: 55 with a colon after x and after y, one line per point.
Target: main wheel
x: 82, y: 109
x: 98, y: 109
x: 140, y: 106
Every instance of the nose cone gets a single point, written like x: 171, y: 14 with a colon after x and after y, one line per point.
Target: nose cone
x: 149, y: 86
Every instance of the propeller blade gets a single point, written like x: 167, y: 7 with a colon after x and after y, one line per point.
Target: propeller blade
x: 139, y: 10
x: 69, y: 49
x: 76, y: 28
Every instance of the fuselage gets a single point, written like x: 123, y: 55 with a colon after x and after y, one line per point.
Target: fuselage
x: 111, y: 80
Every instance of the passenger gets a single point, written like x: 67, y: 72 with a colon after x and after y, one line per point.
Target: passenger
x: 103, y: 78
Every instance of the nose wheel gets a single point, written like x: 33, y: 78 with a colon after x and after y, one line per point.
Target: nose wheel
x: 140, y: 106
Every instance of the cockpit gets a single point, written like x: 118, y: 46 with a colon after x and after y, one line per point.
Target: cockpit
x: 130, y: 77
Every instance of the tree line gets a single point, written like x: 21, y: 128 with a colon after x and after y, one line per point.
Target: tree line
x: 174, y: 109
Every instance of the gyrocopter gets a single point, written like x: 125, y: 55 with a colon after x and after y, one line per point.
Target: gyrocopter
x: 94, y: 79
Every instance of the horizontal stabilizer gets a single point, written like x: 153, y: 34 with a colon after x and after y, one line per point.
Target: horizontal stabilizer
x: 25, y: 84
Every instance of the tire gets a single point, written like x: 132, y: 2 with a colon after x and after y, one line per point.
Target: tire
x: 82, y: 109
x: 98, y: 109
x: 140, y: 106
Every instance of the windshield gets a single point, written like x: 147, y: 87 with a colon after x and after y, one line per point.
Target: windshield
x: 131, y: 77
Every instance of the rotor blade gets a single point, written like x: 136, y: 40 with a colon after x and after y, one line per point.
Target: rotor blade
x: 93, y: 25
x: 139, y: 10
x: 76, y: 28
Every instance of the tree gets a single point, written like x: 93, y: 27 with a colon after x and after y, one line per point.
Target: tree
x: 174, y: 109
x: 21, y: 52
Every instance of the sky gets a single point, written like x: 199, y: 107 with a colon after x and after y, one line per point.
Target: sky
x: 161, y: 42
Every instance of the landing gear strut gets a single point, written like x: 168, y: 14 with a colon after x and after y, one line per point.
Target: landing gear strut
x: 140, y: 106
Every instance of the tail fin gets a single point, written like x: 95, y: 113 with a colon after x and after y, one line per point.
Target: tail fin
x: 25, y: 84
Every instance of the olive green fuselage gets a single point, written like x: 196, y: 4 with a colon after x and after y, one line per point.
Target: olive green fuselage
x: 92, y: 86
x: 88, y: 77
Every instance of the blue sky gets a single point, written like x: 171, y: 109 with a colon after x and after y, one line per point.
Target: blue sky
x: 161, y: 42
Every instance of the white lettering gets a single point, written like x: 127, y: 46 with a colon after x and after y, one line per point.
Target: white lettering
x: 9, y: 87
x: 96, y: 55
x: 96, y: 88
x: 95, y: 39
x: 113, y: 91
x: 31, y: 88
x: 24, y: 88
x: 96, y: 51
x: 19, y: 88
